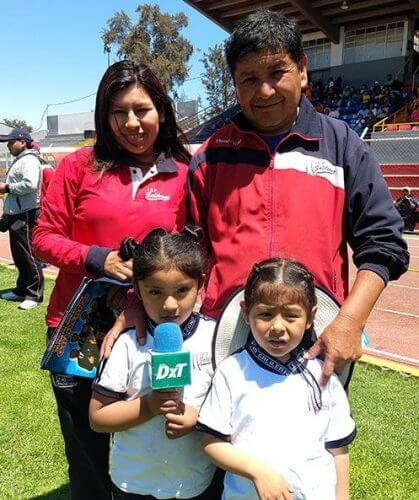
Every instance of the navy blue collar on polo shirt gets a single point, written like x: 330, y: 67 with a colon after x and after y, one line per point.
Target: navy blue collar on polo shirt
x: 188, y: 327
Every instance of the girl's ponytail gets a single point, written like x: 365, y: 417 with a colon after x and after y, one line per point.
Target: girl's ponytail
x: 128, y: 248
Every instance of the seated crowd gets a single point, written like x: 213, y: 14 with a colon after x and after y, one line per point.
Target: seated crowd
x: 361, y: 107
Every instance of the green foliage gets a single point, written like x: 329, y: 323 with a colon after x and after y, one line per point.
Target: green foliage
x: 154, y: 39
x: 385, y: 406
x: 16, y: 123
x: 217, y: 79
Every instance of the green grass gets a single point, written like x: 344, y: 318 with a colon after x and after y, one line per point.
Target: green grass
x: 385, y: 458
x: 385, y: 405
x: 32, y: 462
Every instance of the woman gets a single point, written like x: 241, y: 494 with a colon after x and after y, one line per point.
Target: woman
x: 133, y: 180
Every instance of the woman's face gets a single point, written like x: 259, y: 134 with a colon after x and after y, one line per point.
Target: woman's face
x: 134, y: 120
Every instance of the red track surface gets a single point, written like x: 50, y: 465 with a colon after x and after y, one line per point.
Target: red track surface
x: 393, y: 327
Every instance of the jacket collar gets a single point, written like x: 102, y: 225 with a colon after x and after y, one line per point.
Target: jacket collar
x: 163, y: 164
x: 166, y: 164
x: 306, y: 127
x: 25, y: 152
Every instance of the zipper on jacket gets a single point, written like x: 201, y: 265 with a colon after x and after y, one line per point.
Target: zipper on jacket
x: 272, y: 174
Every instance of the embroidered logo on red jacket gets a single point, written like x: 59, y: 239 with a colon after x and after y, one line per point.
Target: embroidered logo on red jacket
x: 152, y: 194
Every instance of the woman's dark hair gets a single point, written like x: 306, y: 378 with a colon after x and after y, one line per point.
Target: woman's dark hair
x: 162, y: 250
x: 274, y: 276
x: 170, y: 140
x: 262, y: 30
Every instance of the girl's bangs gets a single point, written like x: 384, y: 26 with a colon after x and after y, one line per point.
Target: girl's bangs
x: 275, y: 293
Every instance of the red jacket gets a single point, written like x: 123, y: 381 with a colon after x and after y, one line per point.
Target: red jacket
x: 47, y: 172
x: 321, y: 189
x: 83, y: 217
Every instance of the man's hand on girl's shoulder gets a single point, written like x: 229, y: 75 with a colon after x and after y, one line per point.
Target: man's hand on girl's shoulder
x: 129, y: 318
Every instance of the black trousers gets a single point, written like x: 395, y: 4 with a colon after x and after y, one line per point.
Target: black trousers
x: 30, y: 281
x: 87, y: 452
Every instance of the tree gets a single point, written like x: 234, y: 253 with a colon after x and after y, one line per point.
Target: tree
x: 217, y: 79
x: 16, y: 123
x: 154, y: 39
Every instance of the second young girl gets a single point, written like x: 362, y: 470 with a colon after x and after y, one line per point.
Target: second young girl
x: 156, y: 452
x: 265, y: 419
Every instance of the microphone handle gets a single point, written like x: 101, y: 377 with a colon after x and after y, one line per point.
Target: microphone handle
x: 180, y: 403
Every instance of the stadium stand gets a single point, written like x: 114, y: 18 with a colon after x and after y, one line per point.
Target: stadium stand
x: 345, y: 102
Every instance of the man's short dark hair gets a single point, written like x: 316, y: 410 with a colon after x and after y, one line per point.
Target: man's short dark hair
x: 263, y: 30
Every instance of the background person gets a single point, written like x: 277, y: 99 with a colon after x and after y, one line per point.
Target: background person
x: 407, y: 205
x: 133, y: 180
x: 22, y: 187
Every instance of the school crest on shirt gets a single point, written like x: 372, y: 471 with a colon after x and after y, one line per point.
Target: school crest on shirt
x: 153, y: 194
x: 201, y: 359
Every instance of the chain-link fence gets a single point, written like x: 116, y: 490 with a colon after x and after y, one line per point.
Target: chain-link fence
x: 398, y: 154
x: 396, y: 147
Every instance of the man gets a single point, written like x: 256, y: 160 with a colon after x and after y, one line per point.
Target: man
x: 407, y: 205
x: 22, y: 202
x: 283, y: 180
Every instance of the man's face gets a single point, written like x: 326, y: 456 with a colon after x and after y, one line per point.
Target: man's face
x: 268, y: 85
x: 16, y: 147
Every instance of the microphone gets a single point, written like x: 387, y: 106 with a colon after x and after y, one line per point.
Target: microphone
x: 170, y: 365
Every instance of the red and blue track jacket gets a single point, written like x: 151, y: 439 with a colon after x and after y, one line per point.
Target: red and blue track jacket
x: 321, y: 189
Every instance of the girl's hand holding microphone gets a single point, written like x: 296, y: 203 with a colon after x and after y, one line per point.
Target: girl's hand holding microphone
x: 161, y: 402
x: 179, y: 423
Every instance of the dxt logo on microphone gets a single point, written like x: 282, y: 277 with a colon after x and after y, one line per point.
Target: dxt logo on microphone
x: 166, y: 371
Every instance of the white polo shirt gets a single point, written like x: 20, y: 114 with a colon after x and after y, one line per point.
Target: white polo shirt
x: 143, y: 460
x: 268, y: 410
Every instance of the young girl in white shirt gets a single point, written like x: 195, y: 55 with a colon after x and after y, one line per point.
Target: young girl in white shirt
x: 156, y: 452
x: 266, y: 420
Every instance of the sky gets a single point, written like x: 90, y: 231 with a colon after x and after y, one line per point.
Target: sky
x: 51, y: 52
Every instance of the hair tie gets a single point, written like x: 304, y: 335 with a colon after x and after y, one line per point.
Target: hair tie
x: 194, y: 232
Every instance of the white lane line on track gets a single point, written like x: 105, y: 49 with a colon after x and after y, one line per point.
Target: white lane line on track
x: 390, y: 355
x: 396, y: 312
